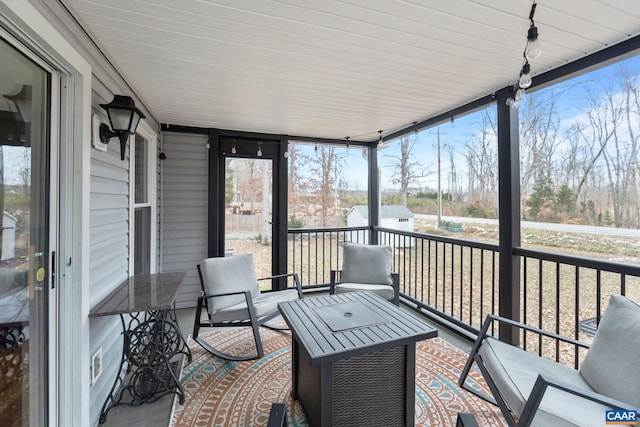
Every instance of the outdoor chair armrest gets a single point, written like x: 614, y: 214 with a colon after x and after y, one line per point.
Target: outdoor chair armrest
x: 205, y: 296
x: 277, y: 415
x: 296, y: 281
x: 540, y: 387
x: 395, y: 284
x: 202, y: 303
x: 484, y: 332
x: 493, y: 317
x: 333, y: 280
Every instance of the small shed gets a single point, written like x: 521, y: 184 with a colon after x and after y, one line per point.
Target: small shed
x: 8, y: 236
x: 396, y: 217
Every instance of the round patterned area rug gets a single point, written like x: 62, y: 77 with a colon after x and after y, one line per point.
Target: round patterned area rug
x: 238, y: 394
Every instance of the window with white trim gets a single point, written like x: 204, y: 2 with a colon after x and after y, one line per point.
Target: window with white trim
x: 143, y: 226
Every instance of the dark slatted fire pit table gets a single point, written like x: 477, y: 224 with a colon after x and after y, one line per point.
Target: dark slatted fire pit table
x: 353, y: 359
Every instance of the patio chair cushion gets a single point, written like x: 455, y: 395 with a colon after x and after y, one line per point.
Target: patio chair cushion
x: 264, y: 304
x: 229, y: 274
x: 515, y: 372
x: 611, y: 364
x: 384, y: 291
x: 366, y: 264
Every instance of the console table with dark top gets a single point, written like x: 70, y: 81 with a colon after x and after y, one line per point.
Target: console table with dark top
x: 353, y: 359
x: 151, y: 339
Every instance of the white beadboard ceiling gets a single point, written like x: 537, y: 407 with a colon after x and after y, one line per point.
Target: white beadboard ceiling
x: 335, y: 68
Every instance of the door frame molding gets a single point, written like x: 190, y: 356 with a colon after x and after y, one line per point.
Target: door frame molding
x: 273, y: 148
x: 69, y: 349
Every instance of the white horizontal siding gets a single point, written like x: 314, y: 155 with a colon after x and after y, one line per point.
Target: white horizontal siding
x: 108, y: 257
x: 184, y: 210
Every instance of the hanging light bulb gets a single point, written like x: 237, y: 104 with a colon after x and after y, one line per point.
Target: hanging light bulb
x: 380, y: 137
x: 259, y: 153
x: 514, y: 98
x: 233, y: 148
x: 347, y: 141
x: 533, y: 50
x: 525, y: 76
x: 286, y: 152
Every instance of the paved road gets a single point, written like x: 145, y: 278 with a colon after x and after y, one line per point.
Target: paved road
x: 589, y: 229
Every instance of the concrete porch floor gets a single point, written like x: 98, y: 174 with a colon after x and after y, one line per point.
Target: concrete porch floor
x: 158, y: 413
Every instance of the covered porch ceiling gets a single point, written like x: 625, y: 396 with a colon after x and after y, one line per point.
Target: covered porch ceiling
x: 332, y: 69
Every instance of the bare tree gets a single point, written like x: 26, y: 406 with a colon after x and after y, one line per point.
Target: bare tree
x: 539, y: 138
x: 453, y: 185
x: 632, y: 116
x: 265, y: 216
x: 482, y: 161
x: 407, y: 169
x: 324, y: 166
x: 603, y: 117
x: 294, y: 180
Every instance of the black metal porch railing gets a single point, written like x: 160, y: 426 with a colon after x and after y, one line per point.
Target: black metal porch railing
x: 313, y: 252
x: 456, y: 281
x: 567, y: 295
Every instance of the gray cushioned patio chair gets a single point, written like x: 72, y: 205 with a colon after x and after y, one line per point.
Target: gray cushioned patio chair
x: 532, y: 390
x: 231, y: 296
x: 366, y: 267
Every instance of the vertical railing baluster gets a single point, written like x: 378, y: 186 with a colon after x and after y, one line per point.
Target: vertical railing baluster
x: 452, y: 276
x: 408, y: 254
x: 557, y: 310
x: 525, y: 292
x: 470, y: 284
x: 461, y: 311
x: 324, y: 258
x: 598, y: 295
x: 331, y: 251
x: 481, y: 311
x: 540, y: 294
x: 429, y: 271
x: 494, y: 260
x: 576, y: 316
x: 293, y: 254
x: 419, y: 268
x: 437, y: 260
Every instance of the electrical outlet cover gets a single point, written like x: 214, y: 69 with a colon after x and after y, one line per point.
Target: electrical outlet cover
x: 96, y: 365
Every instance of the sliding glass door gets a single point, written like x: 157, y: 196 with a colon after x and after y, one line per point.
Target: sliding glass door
x: 25, y: 270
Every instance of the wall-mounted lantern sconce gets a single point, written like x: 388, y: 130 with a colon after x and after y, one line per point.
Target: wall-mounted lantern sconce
x: 15, y: 123
x: 123, y: 117
x: 22, y: 101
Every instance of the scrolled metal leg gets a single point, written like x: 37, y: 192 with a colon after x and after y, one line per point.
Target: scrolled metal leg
x: 151, y: 340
